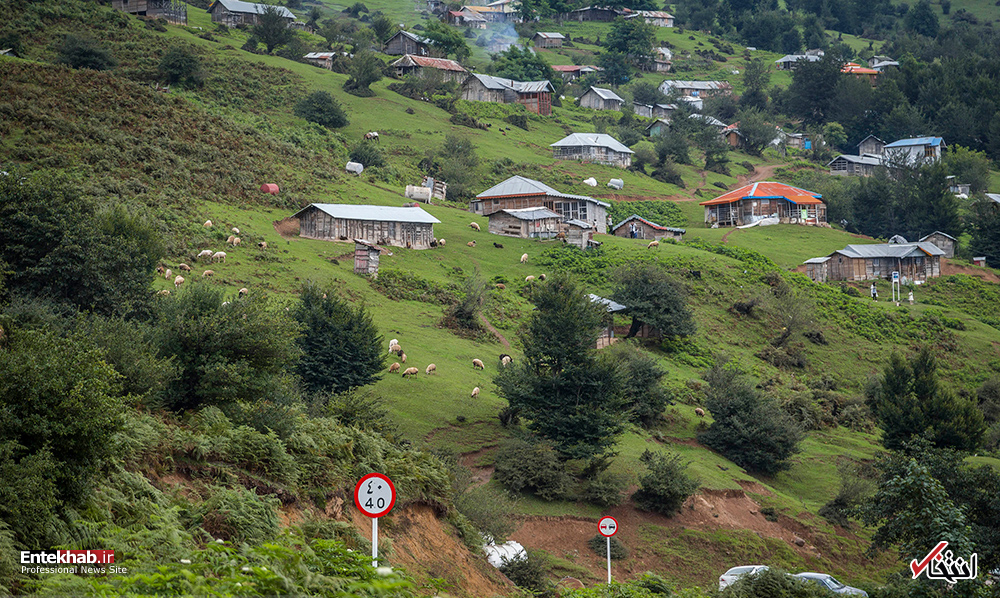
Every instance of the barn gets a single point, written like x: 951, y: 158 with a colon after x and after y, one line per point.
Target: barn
x: 536, y: 96
x: 423, y: 66
x: 637, y: 227
x: 405, y: 42
x: 233, y: 13
x: 401, y: 227
x: 915, y: 262
x: 944, y: 241
x: 520, y: 192
x: 526, y: 223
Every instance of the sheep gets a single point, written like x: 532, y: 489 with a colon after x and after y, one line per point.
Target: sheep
x: 208, y: 273
x: 505, y: 359
x: 699, y: 412
x: 178, y: 281
x: 402, y: 357
x: 168, y: 274
x: 478, y: 364
x: 474, y: 225
x: 471, y: 243
x: 501, y: 286
x: 163, y: 293
x: 497, y: 245
x: 475, y: 392
x: 208, y: 224
x: 205, y: 253
x: 653, y: 244
x: 219, y: 256
x: 229, y: 241
x: 225, y: 303
x: 431, y: 368
x: 159, y: 269
x: 524, y: 258
x: 529, y: 278
x: 236, y: 241
x: 262, y: 244
x: 541, y: 277
x: 243, y: 292
x: 236, y: 231
x: 410, y: 372
x: 184, y: 267
x: 394, y: 368
x: 395, y: 349
x: 441, y: 242
x: 394, y: 341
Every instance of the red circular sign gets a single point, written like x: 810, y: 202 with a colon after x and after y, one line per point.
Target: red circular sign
x: 607, y: 526
x: 374, y: 495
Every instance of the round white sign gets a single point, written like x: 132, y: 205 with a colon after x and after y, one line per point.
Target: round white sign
x: 375, y: 495
x: 608, y: 526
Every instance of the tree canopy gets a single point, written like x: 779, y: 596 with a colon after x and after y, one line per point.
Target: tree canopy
x: 653, y: 298
x: 522, y: 65
x: 272, y: 28
x: 447, y: 40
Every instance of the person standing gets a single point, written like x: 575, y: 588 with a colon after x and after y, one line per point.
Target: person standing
x: 911, y: 297
x: 874, y: 292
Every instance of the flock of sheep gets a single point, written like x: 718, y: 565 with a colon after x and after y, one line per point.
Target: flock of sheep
x: 212, y: 256
x: 472, y: 243
x: 477, y: 364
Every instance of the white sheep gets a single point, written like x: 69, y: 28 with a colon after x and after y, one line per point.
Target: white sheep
x: 230, y: 240
x: 478, y: 364
x: 699, y: 412
x: 243, y: 292
x: 208, y: 224
x: 219, y: 256
x: 402, y: 357
x: 431, y: 368
x: 163, y: 293
x: 505, y: 360
x: 205, y: 253
x: 178, y: 281
x: 236, y: 241
x: 411, y: 372
x: 475, y: 392
x: 168, y: 274
x: 653, y: 244
x: 394, y: 368
x: 441, y: 242
x: 524, y: 258
x: 471, y: 243
x: 529, y: 278
x: 236, y: 230
x: 394, y: 341
x: 208, y: 273
x: 474, y: 225
x: 184, y: 267
x: 262, y: 244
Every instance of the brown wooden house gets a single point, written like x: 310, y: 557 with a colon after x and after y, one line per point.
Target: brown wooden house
x: 526, y: 223
x: 599, y: 148
x: 422, y: 66
x: 366, y: 257
x: 401, y: 227
x: 536, y: 96
x: 520, y: 192
x: 172, y: 11
x: 944, y: 242
x: 405, y: 42
x: 599, y: 98
x: 915, y: 262
x: 233, y: 13
x: 590, y: 13
x: 547, y: 39
x: 637, y: 227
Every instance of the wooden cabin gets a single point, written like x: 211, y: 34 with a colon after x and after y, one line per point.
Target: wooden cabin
x: 536, y: 96
x: 943, y: 241
x: 546, y: 39
x: 848, y: 165
x: 915, y: 262
x: 526, y: 223
x: 599, y: 148
x: 765, y: 199
x: 579, y: 234
x: 233, y: 13
x: 637, y: 227
x: 599, y: 98
x: 400, y: 227
x: 405, y: 42
x: 871, y: 145
x: 590, y: 13
x: 366, y: 256
x: 421, y: 66
x: 172, y: 11
x: 520, y: 192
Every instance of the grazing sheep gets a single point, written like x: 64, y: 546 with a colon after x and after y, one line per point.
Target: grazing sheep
x: 225, y: 303
x: 208, y: 224
x: 394, y: 341
x: 529, y: 278
x: 505, y: 359
x: 236, y: 241
x: 163, y: 293
x: 475, y: 392
x: 541, y: 277
x: 262, y: 244
x: 471, y: 243
x: 229, y: 241
x: 178, y: 281
x: 394, y: 368
x: 402, y: 356
x: 699, y: 412
x: 219, y: 256
x: 653, y: 244
x: 236, y: 231
x: 205, y: 253
x: 431, y: 368
x: 168, y: 274
x: 441, y: 242
x: 410, y: 372
x: 524, y: 258
x: 497, y: 245
x: 243, y: 292
x: 184, y: 267
x: 501, y: 286
x: 208, y: 273
x: 478, y: 364
x: 159, y: 269
x: 395, y: 349
x: 474, y: 225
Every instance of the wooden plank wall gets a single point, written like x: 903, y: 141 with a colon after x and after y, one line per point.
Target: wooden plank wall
x: 317, y: 224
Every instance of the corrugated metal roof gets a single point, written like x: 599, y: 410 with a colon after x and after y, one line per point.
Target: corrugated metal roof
x: 817, y: 260
x: 656, y: 14
x: 578, y: 223
x: 592, y: 140
x: 414, y: 37
x: 249, y: 7
x: 888, y: 250
x: 931, y: 141
x: 767, y: 190
x: 491, y: 82
x: 566, y: 68
x: 994, y: 196
x: 864, y: 159
x: 656, y: 122
x: 550, y: 35
x: 538, y: 213
x: 649, y: 223
x: 705, y: 85
x: 871, y: 137
x: 442, y: 64
x: 937, y: 232
x: 533, y: 86
x: 366, y: 212
x: 611, y: 305
x: 708, y: 119
x: 606, y: 94
x: 798, y: 57
x: 519, y: 185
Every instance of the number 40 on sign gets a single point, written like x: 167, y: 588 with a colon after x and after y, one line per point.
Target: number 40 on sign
x: 374, y: 496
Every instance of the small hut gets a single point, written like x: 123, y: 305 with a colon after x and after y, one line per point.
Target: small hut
x: 400, y: 227
x: 365, y: 257
x: 579, y: 234
x: 527, y: 223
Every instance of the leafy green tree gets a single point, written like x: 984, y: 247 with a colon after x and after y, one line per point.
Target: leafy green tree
x: 984, y: 225
x: 366, y: 68
x: 456, y: 163
x: 748, y: 429
x: 667, y: 484
x: 522, y: 65
x: 570, y: 397
x: 812, y: 90
x: 642, y: 382
x: 384, y: 28
x: 633, y: 38
x: 179, y: 64
x: 272, y: 28
x: 226, y: 351
x: 756, y: 133
x: 834, y: 135
x: 644, y: 92
x: 315, y: 14
x: 909, y: 401
x: 653, y: 298
x: 341, y: 347
x: 968, y: 166
x: 321, y: 108
x: 615, y: 67
x: 447, y: 40
x: 756, y: 79
x: 921, y: 19
x: 85, y: 53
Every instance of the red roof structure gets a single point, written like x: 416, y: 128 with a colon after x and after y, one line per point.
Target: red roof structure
x: 856, y: 69
x: 767, y: 190
x: 436, y: 63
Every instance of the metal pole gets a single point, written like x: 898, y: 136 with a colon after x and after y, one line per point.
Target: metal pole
x: 608, y: 538
x: 375, y: 542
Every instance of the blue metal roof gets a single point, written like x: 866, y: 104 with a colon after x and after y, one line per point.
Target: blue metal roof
x: 931, y: 141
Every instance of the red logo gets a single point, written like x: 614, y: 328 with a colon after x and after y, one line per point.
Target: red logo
x: 941, y: 564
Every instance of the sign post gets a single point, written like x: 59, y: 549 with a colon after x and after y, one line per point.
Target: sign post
x: 374, y: 496
x: 896, y: 295
x: 608, y: 527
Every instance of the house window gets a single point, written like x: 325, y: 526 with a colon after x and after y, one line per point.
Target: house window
x: 928, y: 151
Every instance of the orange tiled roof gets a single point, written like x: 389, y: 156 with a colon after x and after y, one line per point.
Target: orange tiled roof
x: 767, y: 190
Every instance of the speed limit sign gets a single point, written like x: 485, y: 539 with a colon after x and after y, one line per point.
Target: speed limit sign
x: 374, y: 495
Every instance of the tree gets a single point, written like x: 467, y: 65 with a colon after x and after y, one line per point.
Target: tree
x: 341, y: 347
x: 239, y: 351
x: 446, y: 40
x: 570, y: 397
x: 615, y: 65
x: 272, y: 28
x: 644, y: 92
x: 85, y: 53
x: 521, y: 65
x: 366, y: 68
x: 756, y: 79
x: 633, y: 38
x: 642, y: 388
x: 968, y: 166
x: 315, y: 14
x: 812, y: 90
x: 458, y: 166
x: 179, y: 64
x: 921, y: 19
x: 756, y: 133
x: 384, y: 28
x: 909, y: 401
x: 666, y: 485
x: 321, y: 108
x: 984, y: 226
x: 834, y: 135
x: 749, y: 429
x: 653, y: 298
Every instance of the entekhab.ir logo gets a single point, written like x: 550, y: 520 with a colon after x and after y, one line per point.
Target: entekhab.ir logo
x: 942, y: 564
x: 92, y: 562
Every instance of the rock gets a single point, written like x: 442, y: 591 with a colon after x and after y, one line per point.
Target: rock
x: 798, y: 541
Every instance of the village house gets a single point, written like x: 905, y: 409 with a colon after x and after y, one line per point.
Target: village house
x: 731, y: 133
x: 942, y: 241
x: 908, y: 152
x: 526, y: 223
x: 465, y: 18
x: 520, y: 192
x: 579, y: 234
x: 536, y: 96
x: 861, y: 72
x: 233, y: 13
x: 653, y: 17
x: 915, y: 262
x: 590, y: 13
x: 788, y: 62
x: 571, y: 72
x: 421, y: 66
x: 880, y: 63
x: 637, y: 227
x: 848, y: 165
x: 695, y: 89
x: 544, y: 39
x: 599, y: 98
x: 405, y: 42
x: 766, y: 199
x: 871, y: 145
x: 659, y: 126
x: 593, y: 147
x: 384, y: 225
x: 662, y: 60
x: 494, y: 13
x: 653, y: 110
x: 172, y: 11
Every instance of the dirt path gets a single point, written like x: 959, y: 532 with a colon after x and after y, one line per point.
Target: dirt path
x: 759, y: 174
x: 725, y: 237
x: 496, y: 333
x: 948, y: 268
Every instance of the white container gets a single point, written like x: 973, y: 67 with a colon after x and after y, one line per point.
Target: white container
x: 355, y: 167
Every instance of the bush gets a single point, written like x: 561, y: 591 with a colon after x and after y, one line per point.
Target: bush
x: 239, y: 516
x: 85, y: 53
x: 518, y: 120
x: 605, y: 490
x: 369, y: 154
x: 528, y: 573
x: 523, y: 466
x: 493, y: 512
x: 321, y: 108
x: 465, y: 313
x: 668, y: 172
x: 463, y: 119
x: 666, y: 486
x: 599, y: 544
x: 179, y: 64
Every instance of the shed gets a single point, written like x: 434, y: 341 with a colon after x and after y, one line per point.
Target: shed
x: 915, y: 262
x: 545, y: 39
x: 637, y: 227
x: 579, y: 234
x: 659, y: 126
x: 871, y: 145
x: 233, y: 13
x: 943, y: 241
x: 593, y: 147
x: 520, y: 192
x: 590, y: 13
x: 526, y: 223
x: 599, y: 98
x: 366, y: 257
x: 817, y: 270
x: 658, y: 18
x: 405, y: 42
x: 172, y: 11
x: 848, y: 165
x: 695, y: 89
x: 536, y: 96
x: 401, y: 227
x: 421, y: 66
x: 756, y: 201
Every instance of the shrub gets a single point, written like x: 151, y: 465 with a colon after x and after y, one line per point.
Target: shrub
x: 599, y: 544
x: 85, y: 53
x: 369, y: 154
x: 465, y: 313
x: 239, y: 516
x: 321, y: 108
x: 463, y: 119
x: 179, y: 64
x: 667, y: 484
x: 362, y: 408
x: 605, y: 490
x: 493, y: 512
x: 528, y: 573
x: 523, y: 466
x: 518, y: 120
x: 668, y: 172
